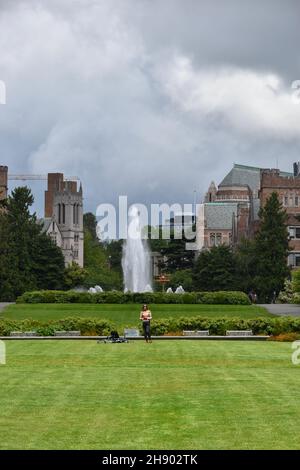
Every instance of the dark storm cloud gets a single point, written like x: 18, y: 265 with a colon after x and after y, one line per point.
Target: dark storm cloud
x: 151, y: 99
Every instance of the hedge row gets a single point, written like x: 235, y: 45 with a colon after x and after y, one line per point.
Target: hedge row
x: 92, y: 326
x: 114, y: 297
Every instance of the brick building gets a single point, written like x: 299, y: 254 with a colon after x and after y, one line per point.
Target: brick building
x: 287, y: 186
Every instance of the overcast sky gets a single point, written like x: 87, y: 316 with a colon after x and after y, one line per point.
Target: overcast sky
x: 148, y: 98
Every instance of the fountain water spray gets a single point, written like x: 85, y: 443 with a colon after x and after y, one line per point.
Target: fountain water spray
x: 136, y: 261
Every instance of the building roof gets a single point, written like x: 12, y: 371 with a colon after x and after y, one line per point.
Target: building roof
x: 244, y: 175
x: 46, y: 222
x: 218, y: 215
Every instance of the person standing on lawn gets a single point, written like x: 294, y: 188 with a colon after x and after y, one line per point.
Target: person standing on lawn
x: 146, y: 317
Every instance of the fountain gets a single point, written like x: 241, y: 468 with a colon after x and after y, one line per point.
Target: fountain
x: 180, y: 290
x: 169, y: 290
x: 99, y: 289
x: 136, y: 257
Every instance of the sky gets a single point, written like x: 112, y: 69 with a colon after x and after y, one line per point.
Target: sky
x: 151, y: 99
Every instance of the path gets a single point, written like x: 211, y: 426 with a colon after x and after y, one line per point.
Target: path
x: 4, y: 304
x: 283, y: 309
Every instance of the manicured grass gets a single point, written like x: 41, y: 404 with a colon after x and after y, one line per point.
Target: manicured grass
x: 128, y: 314
x: 164, y: 395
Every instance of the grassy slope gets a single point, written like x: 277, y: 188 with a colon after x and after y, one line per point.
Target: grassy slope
x: 128, y: 314
x: 176, y: 395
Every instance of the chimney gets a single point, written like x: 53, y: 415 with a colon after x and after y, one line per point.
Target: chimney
x: 296, y: 169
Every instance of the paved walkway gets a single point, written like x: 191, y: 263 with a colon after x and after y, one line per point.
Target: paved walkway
x: 4, y: 304
x: 283, y: 309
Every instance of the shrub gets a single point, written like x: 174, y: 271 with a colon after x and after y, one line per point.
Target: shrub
x: 116, y: 297
x: 216, y: 326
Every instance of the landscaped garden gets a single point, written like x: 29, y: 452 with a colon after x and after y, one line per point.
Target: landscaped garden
x: 164, y: 395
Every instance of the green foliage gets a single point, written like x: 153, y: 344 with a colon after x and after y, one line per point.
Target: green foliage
x: 215, y: 269
x: 74, y: 276
x: 296, y: 281
x: 216, y: 326
x: 91, y: 326
x: 28, y: 258
x: 97, y: 262
x: 115, y: 297
x: 182, y: 277
x: 271, y: 249
x: 286, y: 296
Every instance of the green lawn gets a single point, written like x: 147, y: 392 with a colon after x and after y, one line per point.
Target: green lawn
x: 128, y: 314
x: 164, y: 395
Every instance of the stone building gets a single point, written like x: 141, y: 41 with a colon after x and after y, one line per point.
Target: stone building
x: 63, y: 220
x: 3, y: 182
x: 229, y: 210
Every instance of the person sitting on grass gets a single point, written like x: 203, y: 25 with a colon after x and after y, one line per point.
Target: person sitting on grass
x: 146, y: 316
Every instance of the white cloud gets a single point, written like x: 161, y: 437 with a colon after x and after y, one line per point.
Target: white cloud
x: 249, y: 101
x: 92, y: 90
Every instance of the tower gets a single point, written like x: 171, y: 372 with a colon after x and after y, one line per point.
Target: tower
x: 3, y: 182
x: 211, y: 194
x: 64, y: 204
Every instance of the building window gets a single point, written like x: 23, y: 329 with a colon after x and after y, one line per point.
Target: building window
x: 76, y: 238
x: 59, y: 213
x: 53, y: 226
x: 63, y: 213
x: 212, y: 239
x: 296, y: 200
x: 286, y: 201
x: 297, y: 260
x: 219, y: 239
x: 75, y: 253
x: 297, y: 232
x: 74, y: 214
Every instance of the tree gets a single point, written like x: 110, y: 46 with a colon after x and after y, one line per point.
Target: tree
x: 100, y: 264
x: 271, y: 249
x: 28, y: 258
x: 182, y: 278
x: 215, y: 269
x: 75, y: 276
x: 48, y: 264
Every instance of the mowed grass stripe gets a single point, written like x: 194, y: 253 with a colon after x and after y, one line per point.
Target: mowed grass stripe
x: 164, y: 395
x: 127, y: 315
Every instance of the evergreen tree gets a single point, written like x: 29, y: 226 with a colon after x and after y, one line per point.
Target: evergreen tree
x: 215, y: 269
x: 271, y: 249
x: 28, y: 258
x: 48, y: 264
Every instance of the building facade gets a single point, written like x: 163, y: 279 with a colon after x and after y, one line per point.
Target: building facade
x: 63, y: 220
x: 3, y: 182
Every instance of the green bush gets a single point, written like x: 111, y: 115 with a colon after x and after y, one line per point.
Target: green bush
x: 84, y: 325
x: 102, y: 327
x: 116, y: 297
